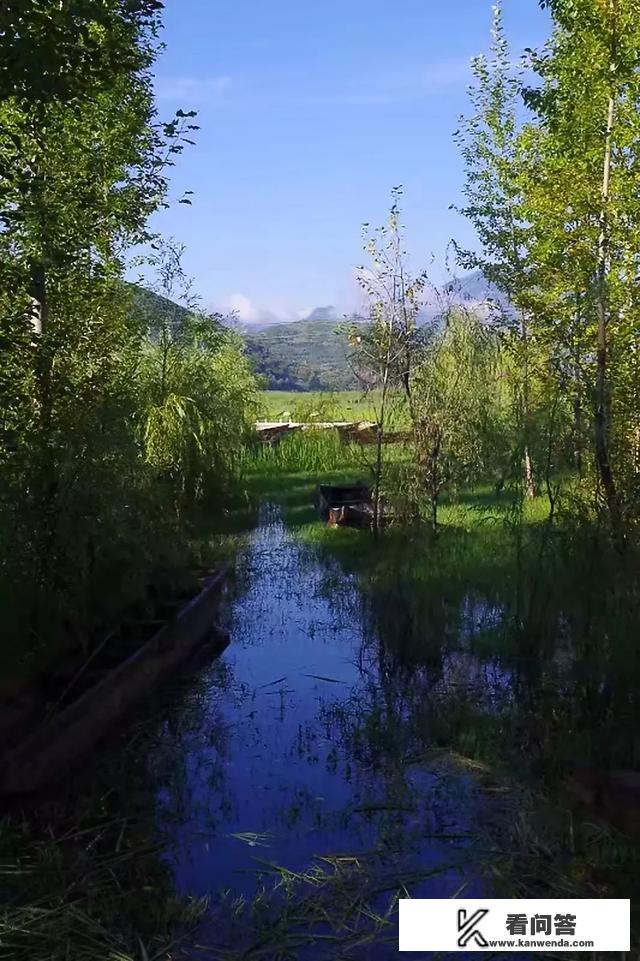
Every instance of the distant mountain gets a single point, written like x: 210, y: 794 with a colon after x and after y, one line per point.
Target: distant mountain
x: 154, y: 311
x: 305, y: 355
x: 475, y: 289
x: 324, y: 313
x: 312, y: 354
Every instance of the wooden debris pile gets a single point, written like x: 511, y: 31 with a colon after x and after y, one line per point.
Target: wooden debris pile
x: 270, y: 432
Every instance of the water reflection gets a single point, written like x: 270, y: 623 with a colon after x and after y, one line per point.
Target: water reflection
x: 297, y: 743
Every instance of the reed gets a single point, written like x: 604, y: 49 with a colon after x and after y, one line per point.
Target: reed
x: 309, y: 451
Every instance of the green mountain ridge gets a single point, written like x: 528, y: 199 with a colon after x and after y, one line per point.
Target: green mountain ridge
x: 303, y: 355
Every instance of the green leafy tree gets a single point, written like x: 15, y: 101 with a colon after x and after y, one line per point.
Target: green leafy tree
x: 458, y: 396
x: 84, y: 161
x: 495, y: 180
x: 585, y: 213
x: 198, y: 393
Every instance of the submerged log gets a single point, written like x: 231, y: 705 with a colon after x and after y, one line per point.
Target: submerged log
x: 71, y: 733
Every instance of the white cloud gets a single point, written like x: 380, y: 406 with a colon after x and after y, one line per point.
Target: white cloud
x: 244, y: 309
x: 383, y: 89
x: 277, y: 312
x: 376, y: 90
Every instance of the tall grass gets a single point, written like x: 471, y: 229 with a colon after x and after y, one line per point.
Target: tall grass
x: 309, y: 451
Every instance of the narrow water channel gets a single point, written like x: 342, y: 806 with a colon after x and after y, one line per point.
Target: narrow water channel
x: 293, y: 745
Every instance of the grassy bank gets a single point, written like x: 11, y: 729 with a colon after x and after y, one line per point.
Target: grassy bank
x: 540, y: 585
x: 318, y: 405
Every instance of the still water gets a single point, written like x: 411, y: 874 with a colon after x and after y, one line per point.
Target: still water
x: 297, y: 744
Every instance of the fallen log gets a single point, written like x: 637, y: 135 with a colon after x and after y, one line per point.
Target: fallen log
x: 68, y: 735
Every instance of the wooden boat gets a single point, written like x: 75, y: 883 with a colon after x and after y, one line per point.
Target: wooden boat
x: 94, y: 709
x: 345, y: 495
x: 351, y: 515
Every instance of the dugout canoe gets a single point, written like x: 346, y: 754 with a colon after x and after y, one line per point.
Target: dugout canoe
x: 60, y: 742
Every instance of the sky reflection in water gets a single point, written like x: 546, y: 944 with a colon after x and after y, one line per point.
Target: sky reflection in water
x: 275, y: 754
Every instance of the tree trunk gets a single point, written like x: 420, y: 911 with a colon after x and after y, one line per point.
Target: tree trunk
x: 434, y: 441
x: 635, y: 432
x: 376, y: 490
x: 40, y: 323
x: 577, y: 429
x: 602, y: 422
x: 379, y: 441
x: 576, y: 373
x: 39, y: 297
x: 529, y: 476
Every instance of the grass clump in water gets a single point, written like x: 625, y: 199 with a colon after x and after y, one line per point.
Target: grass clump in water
x: 86, y: 892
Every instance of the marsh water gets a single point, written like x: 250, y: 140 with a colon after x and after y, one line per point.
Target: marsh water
x: 363, y: 737
x: 304, y: 748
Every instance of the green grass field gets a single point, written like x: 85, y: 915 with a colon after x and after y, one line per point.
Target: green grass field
x: 334, y: 405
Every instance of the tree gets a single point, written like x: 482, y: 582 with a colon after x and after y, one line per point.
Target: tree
x: 457, y: 399
x: 384, y: 352
x: 84, y: 161
x: 53, y: 52
x: 489, y: 143
x: 585, y: 212
x: 198, y: 395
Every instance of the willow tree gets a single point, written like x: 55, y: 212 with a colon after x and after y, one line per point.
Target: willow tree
x: 198, y: 395
x: 586, y: 215
x: 458, y: 396
x: 83, y: 163
x: 489, y: 143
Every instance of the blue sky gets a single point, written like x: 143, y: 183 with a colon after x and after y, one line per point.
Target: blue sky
x: 310, y: 114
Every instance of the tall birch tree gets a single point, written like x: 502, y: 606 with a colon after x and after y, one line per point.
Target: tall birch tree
x: 585, y: 213
x: 488, y: 140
